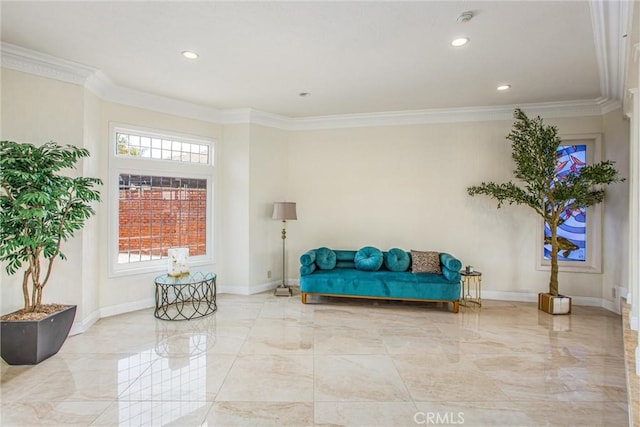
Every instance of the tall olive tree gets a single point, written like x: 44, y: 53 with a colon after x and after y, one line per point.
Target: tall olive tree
x: 535, y: 151
x: 39, y: 209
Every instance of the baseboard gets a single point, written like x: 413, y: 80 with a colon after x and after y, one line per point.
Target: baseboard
x: 622, y: 292
x: 510, y: 296
x: 613, y: 306
x: 529, y: 297
x: 591, y: 302
x: 114, y: 310
x: 234, y: 290
x: 246, y: 290
x: 83, y: 325
x: 256, y: 289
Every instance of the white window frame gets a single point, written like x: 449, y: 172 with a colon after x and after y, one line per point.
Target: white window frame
x: 593, y: 262
x: 156, y: 167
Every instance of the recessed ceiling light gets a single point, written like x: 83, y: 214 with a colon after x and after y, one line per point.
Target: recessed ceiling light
x: 190, y: 55
x: 504, y: 87
x: 304, y: 94
x: 461, y: 41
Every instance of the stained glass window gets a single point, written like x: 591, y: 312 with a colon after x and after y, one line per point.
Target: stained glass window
x: 572, y: 234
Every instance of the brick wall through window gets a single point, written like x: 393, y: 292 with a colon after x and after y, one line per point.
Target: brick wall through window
x: 157, y: 213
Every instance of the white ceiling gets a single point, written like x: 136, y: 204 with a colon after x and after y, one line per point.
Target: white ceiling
x: 354, y: 57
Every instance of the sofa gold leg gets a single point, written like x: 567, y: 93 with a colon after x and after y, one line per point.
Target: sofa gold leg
x: 303, y: 296
x: 456, y: 306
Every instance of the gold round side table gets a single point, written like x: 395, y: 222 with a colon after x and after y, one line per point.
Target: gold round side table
x: 468, y: 279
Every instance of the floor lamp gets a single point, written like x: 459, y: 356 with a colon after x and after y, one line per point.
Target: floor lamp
x: 283, y: 211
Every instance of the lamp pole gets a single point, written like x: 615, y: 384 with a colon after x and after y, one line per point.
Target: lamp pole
x: 284, y: 211
x: 284, y: 237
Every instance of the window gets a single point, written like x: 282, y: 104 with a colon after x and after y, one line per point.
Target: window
x: 579, y: 235
x: 148, y: 147
x: 162, y: 198
x: 156, y: 213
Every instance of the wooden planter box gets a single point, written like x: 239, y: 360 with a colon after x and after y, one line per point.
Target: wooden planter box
x: 554, y: 304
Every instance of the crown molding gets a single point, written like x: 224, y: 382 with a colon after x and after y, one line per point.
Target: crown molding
x: 596, y: 7
x: 257, y: 117
x: 610, y: 22
x: 100, y: 84
x: 28, y: 61
x: 579, y: 108
x: 32, y: 62
x: 608, y: 105
x: 94, y: 80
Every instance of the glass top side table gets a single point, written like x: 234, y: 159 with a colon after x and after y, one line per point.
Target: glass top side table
x: 475, y: 278
x: 185, y: 297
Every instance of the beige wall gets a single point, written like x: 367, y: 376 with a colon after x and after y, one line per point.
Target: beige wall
x: 137, y: 290
x: 268, y: 178
x: 615, y: 231
x: 391, y: 186
x: 233, y: 225
x: 405, y: 186
x: 92, y: 279
x: 36, y: 109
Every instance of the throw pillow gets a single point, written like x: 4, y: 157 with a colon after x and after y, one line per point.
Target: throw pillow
x: 450, y: 262
x: 325, y: 259
x: 346, y: 264
x: 425, y: 262
x: 343, y: 255
x: 305, y: 270
x: 308, y: 257
x: 397, y: 260
x: 368, y: 259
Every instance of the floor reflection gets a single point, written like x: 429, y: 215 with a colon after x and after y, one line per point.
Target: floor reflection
x: 267, y: 361
x: 178, y: 373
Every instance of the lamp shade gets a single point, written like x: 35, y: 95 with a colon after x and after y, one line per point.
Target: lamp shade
x: 284, y: 211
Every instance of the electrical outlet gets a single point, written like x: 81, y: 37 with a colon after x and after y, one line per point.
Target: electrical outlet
x: 268, y: 274
x: 614, y: 293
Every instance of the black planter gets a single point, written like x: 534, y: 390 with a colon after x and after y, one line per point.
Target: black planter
x: 29, y: 342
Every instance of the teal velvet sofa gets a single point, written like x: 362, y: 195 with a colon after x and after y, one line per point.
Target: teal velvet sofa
x: 371, y: 273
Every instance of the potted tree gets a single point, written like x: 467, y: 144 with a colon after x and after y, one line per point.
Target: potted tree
x: 39, y: 209
x: 535, y: 152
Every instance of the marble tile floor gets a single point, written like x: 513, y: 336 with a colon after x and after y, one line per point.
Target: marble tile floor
x: 262, y: 360
x: 633, y: 381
